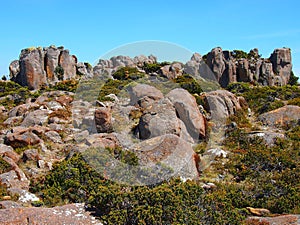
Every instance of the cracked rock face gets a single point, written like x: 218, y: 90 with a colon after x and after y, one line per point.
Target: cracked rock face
x: 37, y: 67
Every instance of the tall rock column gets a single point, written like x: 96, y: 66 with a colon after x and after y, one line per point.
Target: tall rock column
x: 281, y: 60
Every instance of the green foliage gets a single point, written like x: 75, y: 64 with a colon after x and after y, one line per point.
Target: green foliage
x: 154, y: 67
x: 66, y: 85
x: 112, y: 87
x: 171, y: 202
x: 59, y: 71
x: 265, y: 177
x: 238, y: 87
x: 188, y: 83
x: 264, y: 99
x: 128, y: 73
x: 4, y: 78
x: 15, y: 94
x: 239, y: 54
x: 4, y: 166
x: 293, y: 79
x: 294, y: 101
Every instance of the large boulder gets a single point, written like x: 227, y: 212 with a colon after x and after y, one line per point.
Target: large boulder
x: 281, y: 60
x: 67, y: 214
x: 68, y: 63
x: 21, y: 136
x: 103, y: 120
x: 222, y: 103
x: 172, y: 71
x: 158, y: 120
x: 216, y: 61
x: 175, y: 156
x: 187, y: 111
x: 144, y: 90
x: 31, y: 65
x: 37, y: 67
x: 283, y: 116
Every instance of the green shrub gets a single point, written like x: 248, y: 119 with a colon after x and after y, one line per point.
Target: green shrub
x: 293, y: 79
x: 188, y: 83
x: 112, y: 87
x: 66, y: 85
x: 264, y: 98
x: 154, y: 67
x: 128, y: 73
x: 59, y: 71
x: 295, y: 101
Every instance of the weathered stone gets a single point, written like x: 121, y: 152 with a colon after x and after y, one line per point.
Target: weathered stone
x: 281, y: 60
x: 187, y: 111
x: 37, y: 117
x: 68, y: 63
x: 102, y: 141
x: 103, y: 120
x: 51, y: 60
x: 142, y: 90
x: 13, y: 121
x: 158, y: 120
x: 243, y: 71
x: 32, y: 72
x: 7, y: 204
x: 274, y: 220
x: 171, y: 152
x: 31, y: 155
x: 9, y: 152
x: 20, y: 137
x: 267, y: 136
x: 54, y: 136
x: 172, y: 71
x: 281, y: 117
x: 221, y: 104
x: 22, y: 109
x: 67, y: 214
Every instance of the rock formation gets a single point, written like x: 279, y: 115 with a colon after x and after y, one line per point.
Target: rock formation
x: 37, y: 67
x: 230, y: 67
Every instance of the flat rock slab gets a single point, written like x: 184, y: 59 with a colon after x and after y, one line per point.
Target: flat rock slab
x: 73, y: 214
x: 277, y: 220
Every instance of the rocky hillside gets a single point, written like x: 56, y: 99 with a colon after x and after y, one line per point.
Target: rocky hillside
x: 38, y: 67
x: 138, y: 141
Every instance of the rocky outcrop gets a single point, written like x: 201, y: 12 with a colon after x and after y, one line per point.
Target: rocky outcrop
x: 172, y: 71
x: 274, y: 220
x: 175, y: 155
x: 228, y: 67
x: 187, y: 111
x: 38, y: 67
x: 158, y: 120
x: 221, y: 104
x: 286, y: 115
x: 143, y: 90
x: 67, y: 214
x: 106, y: 67
x: 103, y: 119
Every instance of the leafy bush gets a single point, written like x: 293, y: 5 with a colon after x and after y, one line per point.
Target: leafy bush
x: 295, y: 101
x: 112, y: 87
x: 188, y: 83
x: 154, y: 67
x: 59, y: 71
x: 66, y: 85
x: 264, y: 99
x: 128, y: 73
x: 265, y: 177
x: 293, y: 79
x: 171, y: 202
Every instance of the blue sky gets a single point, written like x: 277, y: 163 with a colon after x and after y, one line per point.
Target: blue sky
x: 92, y: 28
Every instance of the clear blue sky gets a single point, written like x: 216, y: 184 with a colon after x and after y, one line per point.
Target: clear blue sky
x: 92, y: 28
